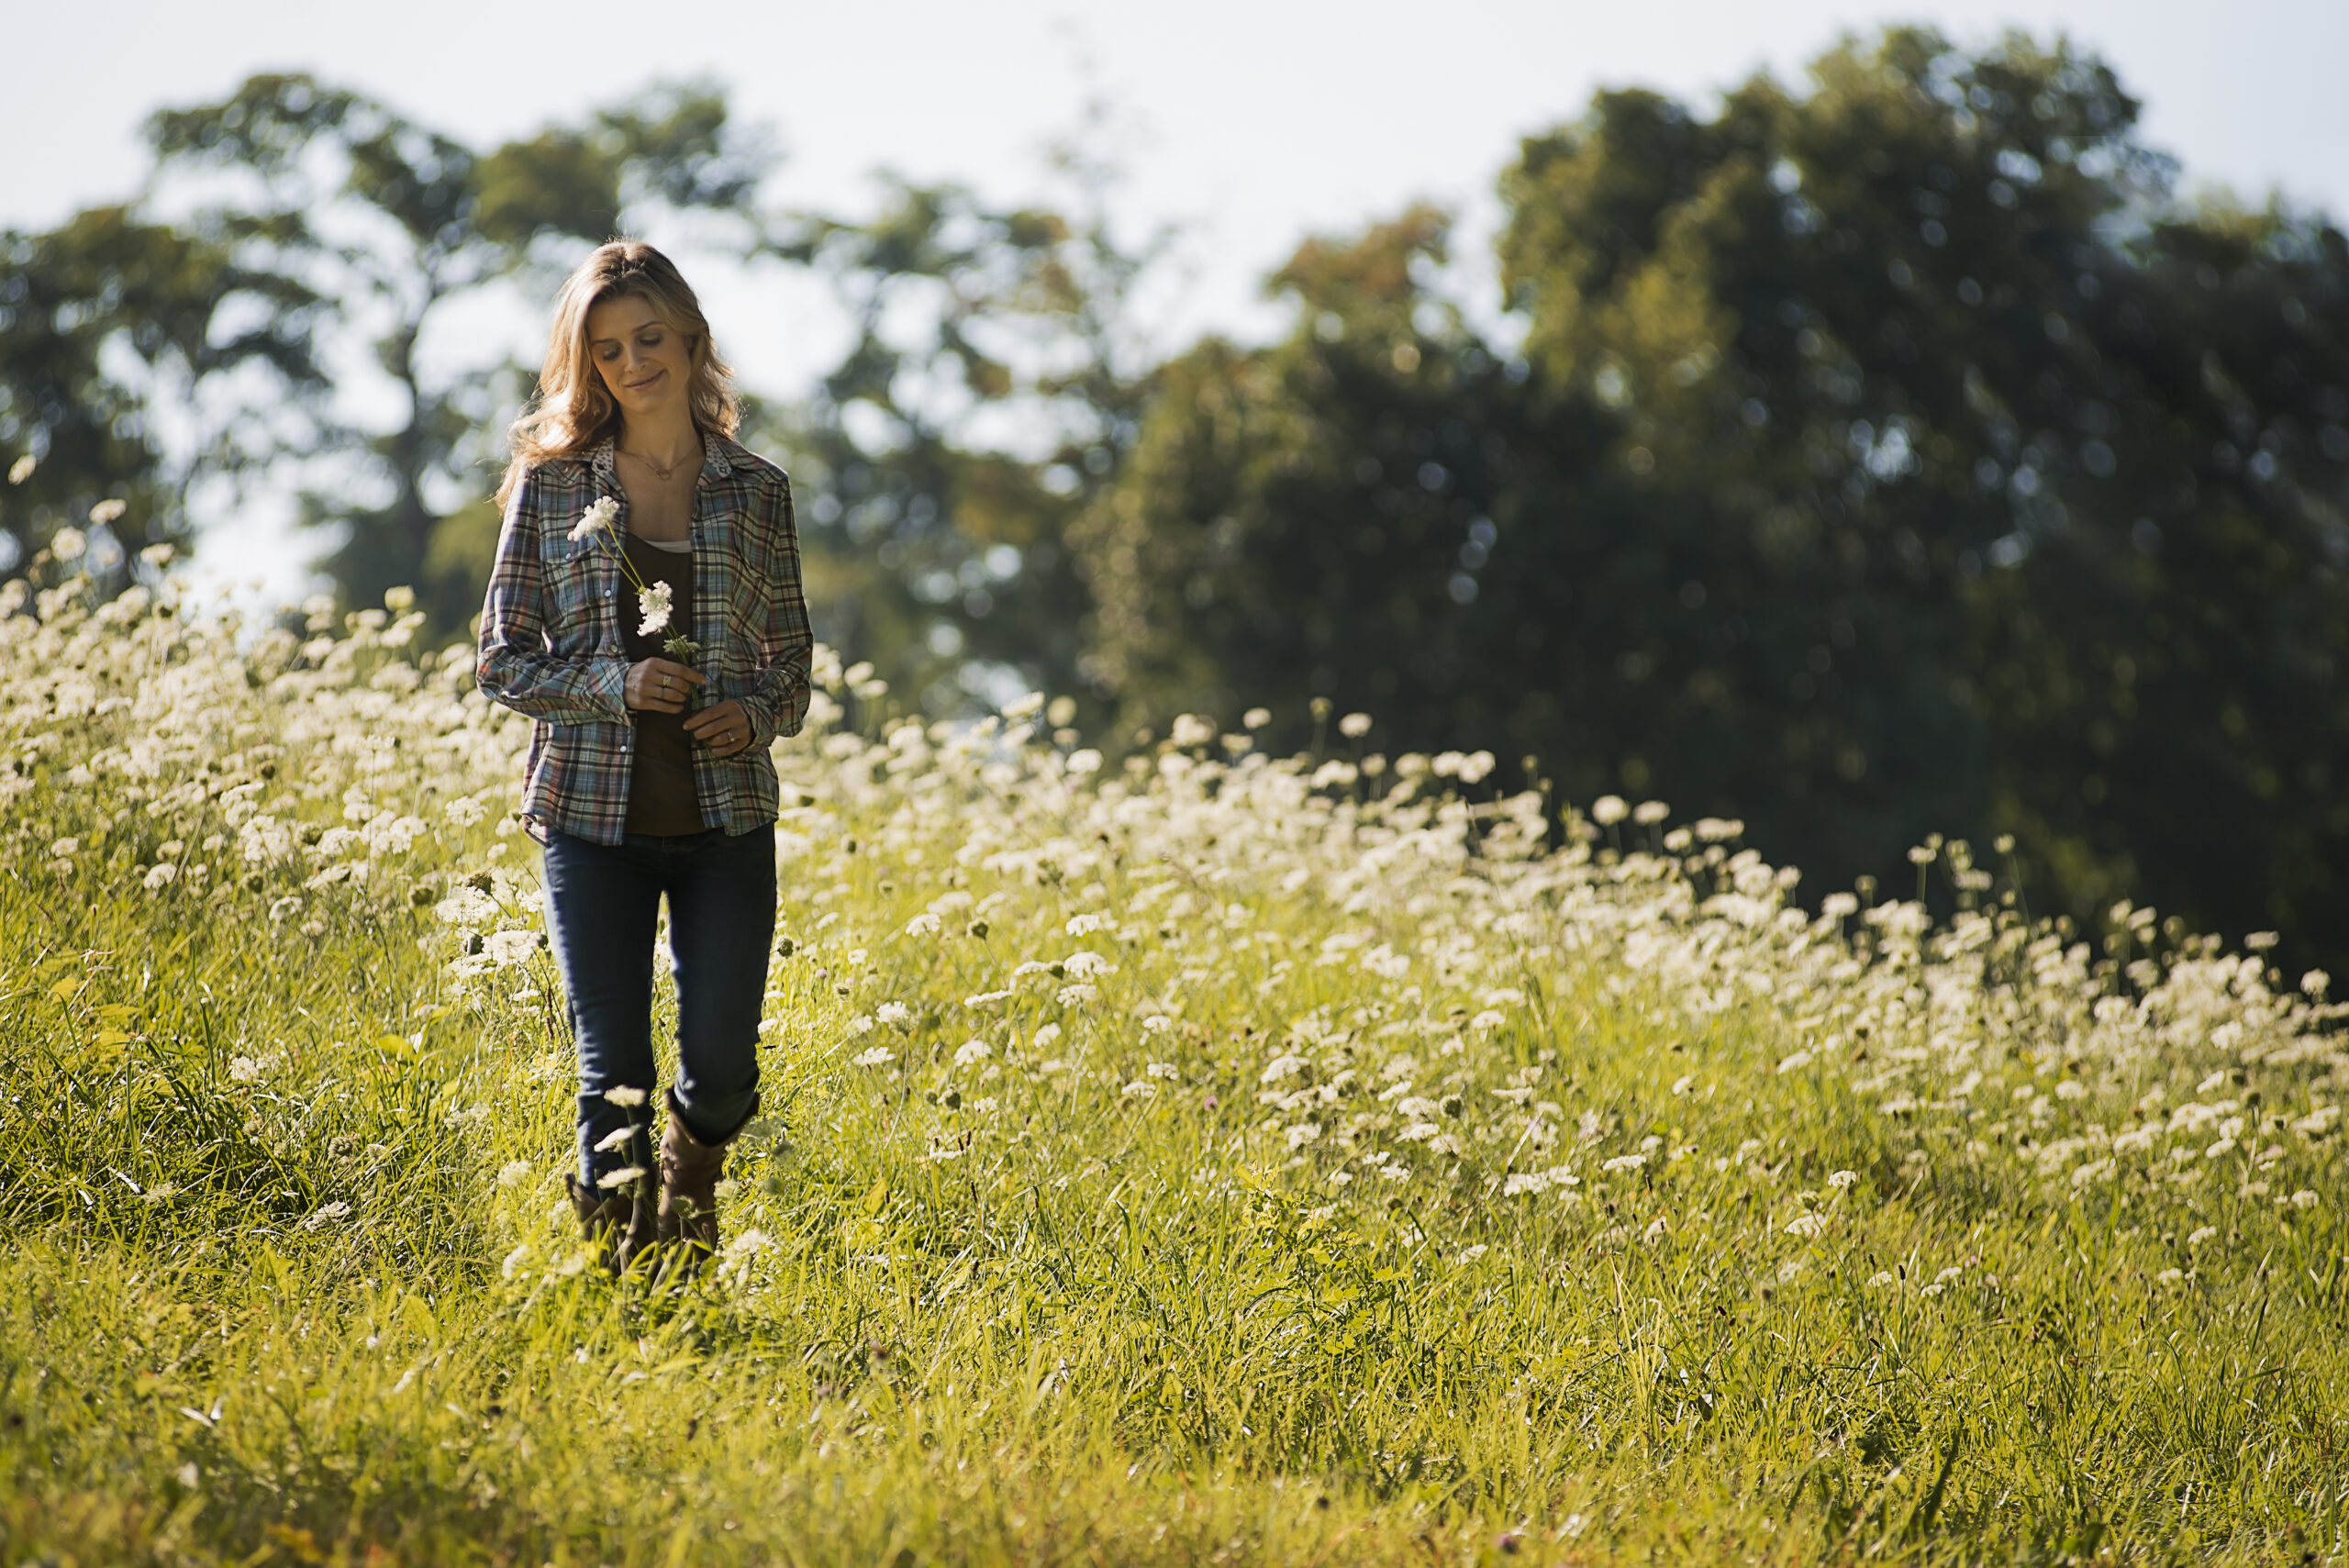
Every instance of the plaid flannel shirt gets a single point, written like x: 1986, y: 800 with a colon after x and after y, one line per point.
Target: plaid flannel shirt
x: 550, y: 638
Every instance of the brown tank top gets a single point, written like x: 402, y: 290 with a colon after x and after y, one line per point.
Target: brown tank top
x: 661, y: 796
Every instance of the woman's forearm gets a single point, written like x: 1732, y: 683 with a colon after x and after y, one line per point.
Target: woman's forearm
x: 560, y: 691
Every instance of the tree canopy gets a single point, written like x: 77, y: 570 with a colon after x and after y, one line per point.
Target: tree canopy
x: 1895, y: 459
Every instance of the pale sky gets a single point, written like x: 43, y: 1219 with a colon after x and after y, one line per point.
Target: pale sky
x: 1250, y: 122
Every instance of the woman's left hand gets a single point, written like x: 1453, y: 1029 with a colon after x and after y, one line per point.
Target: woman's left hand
x: 724, y: 727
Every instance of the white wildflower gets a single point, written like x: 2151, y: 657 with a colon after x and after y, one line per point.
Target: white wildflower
x: 507, y: 949
x: 598, y: 518
x: 68, y: 544
x: 653, y: 601
x: 1806, y: 1225
x: 1354, y: 726
x: 1842, y: 1179
x: 972, y: 1050
x: 878, y: 1056
x: 625, y: 1096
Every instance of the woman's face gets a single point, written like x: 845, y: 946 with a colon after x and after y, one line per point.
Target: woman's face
x: 645, y: 365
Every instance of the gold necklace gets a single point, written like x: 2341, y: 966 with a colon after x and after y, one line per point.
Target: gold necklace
x: 658, y: 471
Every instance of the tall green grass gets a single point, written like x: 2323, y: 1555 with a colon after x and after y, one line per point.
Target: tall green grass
x: 1221, y: 1159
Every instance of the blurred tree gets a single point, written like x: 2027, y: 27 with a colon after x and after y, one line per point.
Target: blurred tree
x: 392, y: 222
x: 1894, y: 459
x: 992, y: 387
x: 104, y: 321
x: 1293, y: 519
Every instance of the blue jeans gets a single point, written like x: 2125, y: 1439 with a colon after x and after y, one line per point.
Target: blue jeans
x: 603, y: 908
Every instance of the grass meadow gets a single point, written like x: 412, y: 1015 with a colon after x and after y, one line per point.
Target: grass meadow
x: 1201, y: 1157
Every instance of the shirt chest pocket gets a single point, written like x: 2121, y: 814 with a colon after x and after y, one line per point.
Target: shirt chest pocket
x: 741, y: 577
x: 576, y: 589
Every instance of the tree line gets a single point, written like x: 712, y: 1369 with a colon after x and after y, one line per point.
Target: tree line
x: 1895, y: 456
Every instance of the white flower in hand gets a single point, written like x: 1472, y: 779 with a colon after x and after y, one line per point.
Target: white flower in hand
x: 598, y: 518
x: 653, y: 600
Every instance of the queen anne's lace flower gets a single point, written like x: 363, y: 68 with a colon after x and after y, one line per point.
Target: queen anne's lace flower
x: 598, y: 518
x: 654, y: 600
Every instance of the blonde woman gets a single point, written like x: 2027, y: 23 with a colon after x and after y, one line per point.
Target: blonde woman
x: 645, y: 609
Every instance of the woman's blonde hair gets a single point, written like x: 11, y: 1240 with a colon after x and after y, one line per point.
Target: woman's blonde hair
x: 572, y: 411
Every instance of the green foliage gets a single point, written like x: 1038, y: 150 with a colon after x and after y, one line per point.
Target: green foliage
x: 1889, y: 460
x: 990, y: 393
x: 104, y: 288
x: 1228, y: 1156
x: 393, y: 221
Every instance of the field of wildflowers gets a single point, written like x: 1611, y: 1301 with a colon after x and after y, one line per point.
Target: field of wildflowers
x: 1205, y: 1157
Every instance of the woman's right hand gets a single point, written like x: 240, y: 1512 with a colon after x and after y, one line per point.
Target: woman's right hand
x: 661, y: 685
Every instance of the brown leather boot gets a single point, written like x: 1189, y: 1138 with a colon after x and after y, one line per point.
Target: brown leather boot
x: 618, y: 1222
x: 690, y: 1171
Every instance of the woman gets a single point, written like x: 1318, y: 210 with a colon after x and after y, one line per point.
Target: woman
x: 649, y: 775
